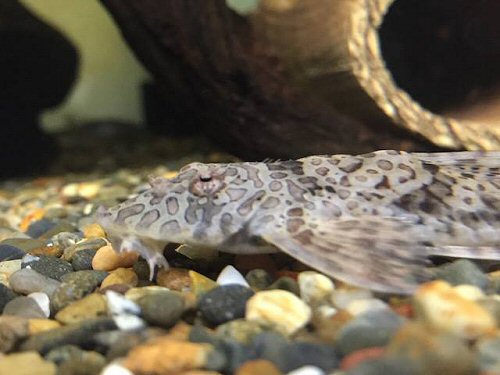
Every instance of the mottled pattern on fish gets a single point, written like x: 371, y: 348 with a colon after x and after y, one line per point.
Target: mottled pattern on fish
x: 371, y: 219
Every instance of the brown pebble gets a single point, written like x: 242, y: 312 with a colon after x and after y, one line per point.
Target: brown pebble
x: 258, y: 366
x: 93, y: 230
x: 121, y: 276
x: 42, y: 325
x: 106, y: 259
x: 53, y: 251
x: 174, y: 279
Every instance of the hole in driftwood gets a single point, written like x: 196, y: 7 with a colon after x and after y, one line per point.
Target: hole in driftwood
x: 446, y: 55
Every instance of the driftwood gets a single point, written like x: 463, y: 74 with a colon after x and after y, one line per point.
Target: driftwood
x: 296, y: 77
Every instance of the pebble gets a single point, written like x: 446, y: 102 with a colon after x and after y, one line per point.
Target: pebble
x: 73, y: 360
x: 9, y: 252
x: 258, y: 366
x: 431, y: 353
x: 492, y: 305
x: 74, y: 287
x: 161, y: 309
x: 239, y: 330
x: 286, y: 283
x: 115, y: 369
x: 164, y: 356
x: 8, y: 267
x: 201, y: 284
x: 355, y: 358
x: 6, y: 295
x: 230, y: 275
x: 26, y: 281
x: 24, y: 307
x: 24, y: 245
x: 93, y: 230
x: 82, y: 260
x: 372, y: 328
x: 280, y: 309
x: 86, y: 244
x: 385, y: 366
x: 121, y: 276
x: 80, y: 334
x: 259, y: 279
x: 42, y: 325
x: 224, y: 303
x: 342, y: 297
x: 39, y: 227
x: 42, y: 300
x: 440, y: 306
x: 463, y: 271
x: 298, y: 354
x: 315, y: 289
x: 91, y: 306
x: 124, y: 311
x: 13, y: 329
x: 49, y: 266
x: 488, y: 355
x: 361, y: 306
x: 106, y: 259
x: 25, y: 363
x: 174, y: 279
x: 307, y: 370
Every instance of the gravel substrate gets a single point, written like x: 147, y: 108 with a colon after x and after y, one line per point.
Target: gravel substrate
x: 71, y: 305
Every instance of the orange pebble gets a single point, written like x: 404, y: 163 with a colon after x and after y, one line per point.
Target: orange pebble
x: 106, y: 259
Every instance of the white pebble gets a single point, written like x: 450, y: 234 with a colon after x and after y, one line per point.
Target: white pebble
x: 118, y: 304
x: 42, y: 301
x: 230, y: 275
x: 360, y: 306
x: 307, y: 370
x: 127, y: 322
x: 341, y: 298
x: 315, y: 288
x: 470, y: 292
x: 115, y: 369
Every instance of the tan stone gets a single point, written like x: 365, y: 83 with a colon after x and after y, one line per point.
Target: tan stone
x: 201, y: 283
x: 442, y: 307
x: 92, y: 306
x: 106, y: 259
x: 280, y: 309
x: 164, y: 356
x: 27, y: 363
x: 174, y: 279
x: 315, y: 289
x: 122, y: 276
x: 258, y: 366
x: 42, y: 325
x: 93, y: 230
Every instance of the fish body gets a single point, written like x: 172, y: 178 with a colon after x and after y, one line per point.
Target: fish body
x: 371, y: 219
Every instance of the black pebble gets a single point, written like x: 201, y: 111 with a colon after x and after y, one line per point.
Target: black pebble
x: 224, y: 303
x: 82, y: 260
x: 40, y: 227
x: 9, y: 252
x: 49, y: 266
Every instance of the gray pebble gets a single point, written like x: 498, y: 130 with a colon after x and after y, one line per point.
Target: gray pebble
x: 488, y: 354
x: 372, y: 328
x: 49, y: 266
x: 299, y: 354
x: 9, y: 252
x: 6, y: 294
x: 224, y: 303
x: 82, y: 260
x: 39, y: 227
x: 80, y: 334
x: 89, y: 244
x: 75, y: 286
x: 259, y: 279
x: 24, y: 244
x: 269, y: 345
x: 26, y: 281
x: 463, y: 271
x: 162, y: 309
x: 73, y: 360
x: 492, y: 305
x: 384, y: 366
x: 286, y: 283
x: 24, y: 307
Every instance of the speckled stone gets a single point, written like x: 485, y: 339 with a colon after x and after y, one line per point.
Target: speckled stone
x: 13, y: 329
x: 463, y: 271
x: 280, y: 309
x: 73, y: 360
x: 224, y: 303
x: 89, y: 307
x: 25, y: 363
x: 6, y: 295
x: 74, y: 287
x: 26, y: 281
x: 161, y: 309
x: 49, y: 266
x: 239, y: 330
x: 81, y: 334
x: 82, y: 260
x: 369, y: 329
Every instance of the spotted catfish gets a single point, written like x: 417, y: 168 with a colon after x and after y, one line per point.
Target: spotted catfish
x: 371, y: 219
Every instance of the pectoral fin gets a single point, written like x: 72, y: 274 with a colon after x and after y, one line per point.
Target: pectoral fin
x: 383, y: 254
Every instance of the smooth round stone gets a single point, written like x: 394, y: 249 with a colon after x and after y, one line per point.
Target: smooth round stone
x: 73, y: 360
x: 441, y: 307
x: 385, y: 366
x: 40, y: 227
x: 488, y: 354
x: 361, y: 306
x: 307, y: 370
x: 279, y: 308
x: 62, y: 226
x: 93, y: 230
x: 82, y: 260
x: 42, y: 325
x: 26, y: 281
x: 117, y: 369
x: 141, y: 269
x: 224, y: 303
x: 369, y: 329
x: 269, y: 345
x: 161, y: 309
x: 9, y: 252
x: 463, y: 271
x: 23, y: 244
x: 174, y: 279
x: 24, y: 307
x: 299, y: 354
x: 315, y: 288
x: 239, y: 330
x: 43, y: 301
x: 74, y: 287
x: 106, y: 259
x: 341, y: 298
x: 49, y: 266
x: 259, y: 279
x: 89, y: 307
x: 8, y: 267
x: 25, y: 364
x: 230, y: 275
x: 87, y: 244
x: 285, y: 283
x: 121, y: 276
x: 6, y: 295
x: 13, y: 329
x: 258, y: 366
x: 200, y: 284
x: 492, y: 305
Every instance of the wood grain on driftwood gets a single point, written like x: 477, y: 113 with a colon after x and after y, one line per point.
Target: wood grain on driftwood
x: 295, y: 77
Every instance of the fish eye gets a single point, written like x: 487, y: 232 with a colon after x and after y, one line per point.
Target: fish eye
x: 205, y: 178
